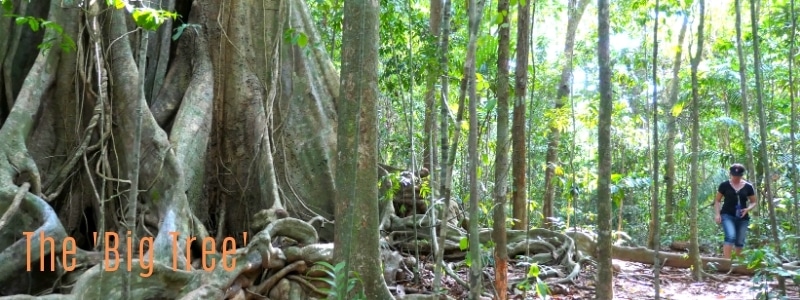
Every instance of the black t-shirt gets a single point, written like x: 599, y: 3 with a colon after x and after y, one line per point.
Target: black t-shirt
x: 730, y: 197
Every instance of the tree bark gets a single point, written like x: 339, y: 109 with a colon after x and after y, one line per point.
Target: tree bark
x: 501, y: 164
x: 208, y: 131
x: 430, y: 155
x: 748, y: 146
x: 793, y: 130
x: 694, y: 247
x: 762, y: 150
x: 356, y: 192
x: 518, y: 133
x: 475, y: 11
x: 669, y: 143
x: 655, y: 216
x: 605, y: 277
x: 446, y: 174
x: 576, y: 10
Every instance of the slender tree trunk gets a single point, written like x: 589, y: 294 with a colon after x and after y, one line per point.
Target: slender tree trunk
x: 576, y: 10
x: 793, y: 130
x: 694, y: 248
x: 446, y: 174
x: 356, y: 192
x: 762, y: 150
x: 519, y: 134
x: 430, y: 157
x: 655, y: 242
x: 669, y: 147
x: 748, y: 146
x: 475, y: 274
x: 501, y: 164
x: 605, y: 278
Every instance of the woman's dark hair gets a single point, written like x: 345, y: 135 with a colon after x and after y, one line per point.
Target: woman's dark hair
x: 737, y: 169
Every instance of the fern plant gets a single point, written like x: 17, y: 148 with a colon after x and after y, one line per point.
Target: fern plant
x: 336, y: 279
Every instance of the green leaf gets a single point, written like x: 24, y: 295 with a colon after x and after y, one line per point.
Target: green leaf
x: 178, y: 32
x: 8, y: 6
x: 302, y: 40
x: 21, y: 20
x: 616, y: 177
x: 147, y: 18
x: 677, y: 109
x: 490, y: 105
x: 533, y: 271
x: 463, y: 244
x: 119, y: 4
x: 53, y: 26
x: 541, y: 289
x: 33, y: 24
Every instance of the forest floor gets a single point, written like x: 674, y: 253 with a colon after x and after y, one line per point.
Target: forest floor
x: 633, y: 281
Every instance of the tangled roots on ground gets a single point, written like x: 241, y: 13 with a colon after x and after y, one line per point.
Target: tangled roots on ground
x: 279, y: 262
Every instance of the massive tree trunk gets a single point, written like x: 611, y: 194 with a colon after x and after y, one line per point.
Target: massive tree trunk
x: 235, y: 119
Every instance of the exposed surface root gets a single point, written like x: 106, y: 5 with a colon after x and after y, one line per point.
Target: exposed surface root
x: 256, y: 269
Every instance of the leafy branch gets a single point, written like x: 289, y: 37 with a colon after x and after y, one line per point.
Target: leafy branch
x: 67, y: 44
x: 145, y: 17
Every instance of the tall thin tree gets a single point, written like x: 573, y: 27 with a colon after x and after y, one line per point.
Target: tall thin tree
x: 475, y: 275
x: 356, y: 192
x: 575, y: 12
x: 501, y: 157
x: 671, y: 120
x: 794, y: 124
x: 748, y: 146
x: 518, y: 132
x: 605, y: 289
x: 762, y: 127
x: 446, y: 174
x: 654, y: 203
x: 430, y: 155
x: 694, y: 247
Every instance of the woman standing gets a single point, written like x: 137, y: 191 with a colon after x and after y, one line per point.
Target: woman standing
x: 733, y: 213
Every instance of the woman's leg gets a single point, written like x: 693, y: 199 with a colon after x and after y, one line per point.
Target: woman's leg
x: 741, y: 233
x: 729, y: 228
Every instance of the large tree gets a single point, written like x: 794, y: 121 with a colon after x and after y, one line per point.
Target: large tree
x: 233, y: 117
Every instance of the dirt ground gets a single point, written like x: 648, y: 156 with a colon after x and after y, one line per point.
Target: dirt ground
x: 634, y: 281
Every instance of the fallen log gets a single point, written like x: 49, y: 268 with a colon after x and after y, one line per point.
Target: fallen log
x: 677, y: 260
x: 587, y: 244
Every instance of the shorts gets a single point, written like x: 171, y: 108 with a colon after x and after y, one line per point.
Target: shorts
x: 735, y: 230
